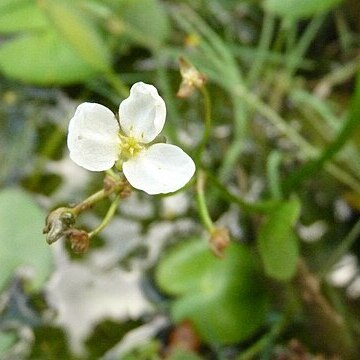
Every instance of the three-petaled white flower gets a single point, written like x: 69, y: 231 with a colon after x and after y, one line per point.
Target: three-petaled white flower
x: 97, y: 140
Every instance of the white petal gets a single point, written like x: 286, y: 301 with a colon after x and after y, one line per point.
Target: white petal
x: 142, y: 114
x: 160, y: 169
x: 93, y: 137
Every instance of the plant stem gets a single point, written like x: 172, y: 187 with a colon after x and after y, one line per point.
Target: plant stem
x: 297, y: 55
x: 202, y: 207
x: 98, y: 196
x: 109, y: 215
x: 273, y: 165
x: 266, y: 35
x: 237, y: 145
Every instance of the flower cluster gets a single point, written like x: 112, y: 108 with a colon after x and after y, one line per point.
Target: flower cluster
x: 97, y: 140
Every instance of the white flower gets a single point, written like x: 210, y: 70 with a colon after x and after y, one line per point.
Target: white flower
x: 97, y: 141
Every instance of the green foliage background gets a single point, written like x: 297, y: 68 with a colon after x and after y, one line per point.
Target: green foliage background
x: 275, y: 133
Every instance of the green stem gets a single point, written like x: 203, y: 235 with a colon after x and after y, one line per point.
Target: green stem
x: 109, y: 215
x: 237, y: 145
x: 290, y: 27
x: 273, y: 165
x: 263, y: 48
x: 98, y: 196
x: 90, y: 201
x: 201, y: 202
x: 297, y: 55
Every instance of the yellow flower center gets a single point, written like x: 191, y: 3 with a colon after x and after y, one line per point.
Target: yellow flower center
x: 129, y: 147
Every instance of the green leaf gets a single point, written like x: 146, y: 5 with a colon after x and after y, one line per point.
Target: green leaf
x: 21, y: 241
x: 224, y: 298
x: 9, y: 5
x: 185, y: 273
x: 24, y: 15
x: 300, y: 8
x: 43, y: 59
x: 278, y: 245
x: 79, y: 31
x: 183, y: 354
x: 7, y: 339
x: 145, y: 21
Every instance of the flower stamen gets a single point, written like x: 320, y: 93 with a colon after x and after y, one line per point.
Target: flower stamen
x: 129, y: 147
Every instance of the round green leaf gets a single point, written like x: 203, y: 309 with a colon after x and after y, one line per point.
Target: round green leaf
x: 278, y: 245
x: 179, y: 273
x: 299, y: 8
x: 43, y: 59
x: 224, y: 298
x: 21, y: 241
x: 223, y: 319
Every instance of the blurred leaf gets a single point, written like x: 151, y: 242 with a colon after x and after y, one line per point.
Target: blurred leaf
x: 347, y: 131
x: 7, y: 339
x: 22, y: 15
x: 17, y: 137
x: 277, y: 242
x: 299, y: 8
x: 148, y: 21
x: 21, y: 242
x: 182, y: 354
x: 185, y: 273
x: 147, y: 350
x: 6, y: 5
x: 79, y: 31
x: 224, y: 298
x: 44, y: 59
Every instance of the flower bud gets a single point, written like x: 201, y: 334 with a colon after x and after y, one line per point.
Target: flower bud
x: 79, y: 240
x: 219, y: 241
x: 191, y: 79
x: 57, y: 223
